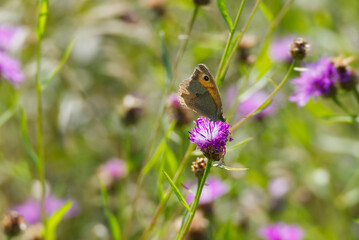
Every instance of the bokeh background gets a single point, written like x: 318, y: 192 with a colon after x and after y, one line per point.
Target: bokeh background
x: 105, y: 102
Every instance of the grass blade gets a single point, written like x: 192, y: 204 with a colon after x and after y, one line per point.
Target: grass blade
x: 64, y: 58
x: 111, y: 218
x: 266, y: 12
x: 177, y: 192
x: 166, y: 58
x: 223, y: 9
x: 229, y: 168
x: 342, y: 118
x: 26, y: 140
x: 54, y: 220
x: 240, y: 144
x: 41, y: 24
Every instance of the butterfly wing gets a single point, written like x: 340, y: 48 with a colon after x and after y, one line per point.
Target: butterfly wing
x: 198, y: 96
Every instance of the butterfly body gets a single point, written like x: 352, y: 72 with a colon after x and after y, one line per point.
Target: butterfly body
x: 200, y: 93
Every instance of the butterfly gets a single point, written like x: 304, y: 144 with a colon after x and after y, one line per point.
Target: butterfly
x: 200, y: 93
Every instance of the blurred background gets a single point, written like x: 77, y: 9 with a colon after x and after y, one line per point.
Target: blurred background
x: 101, y: 110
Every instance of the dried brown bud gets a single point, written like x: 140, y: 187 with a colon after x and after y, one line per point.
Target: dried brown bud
x: 13, y: 224
x: 201, y: 2
x: 299, y: 48
x: 348, y: 78
x: 34, y: 232
x: 341, y: 63
x: 199, y: 166
x: 132, y: 108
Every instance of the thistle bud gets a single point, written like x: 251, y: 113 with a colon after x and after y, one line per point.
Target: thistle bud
x: 13, y: 224
x: 299, y: 48
x: 199, y: 166
x: 347, y: 77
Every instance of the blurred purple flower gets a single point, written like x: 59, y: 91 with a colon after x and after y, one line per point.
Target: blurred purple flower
x: 253, y: 102
x: 278, y: 187
x: 10, y: 69
x: 213, y: 189
x: 31, y: 209
x: 279, y: 50
x: 114, y: 168
x: 210, y: 137
x: 172, y: 100
x: 8, y: 37
x: 318, y: 80
x: 281, y: 231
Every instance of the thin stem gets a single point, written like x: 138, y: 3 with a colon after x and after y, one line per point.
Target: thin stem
x: 168, y: 193
x: 188, y: 33
x: 228, y: 60
x: 41, y: 164
x: 229, y: 41
x: 356, y: 94
x: 340, y: 104
x: 157, y: 127
x: 181, y: 235
x: 268, y: 98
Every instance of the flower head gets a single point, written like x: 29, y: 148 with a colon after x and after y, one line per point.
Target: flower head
x: 211, y: 137
x: 10, y: 69
x: 347, y: 77
x: 318, y: 80
x: 11, y: 38
x: 13, y: 224
x: 279, y: 50
x: 253, y: 102
x: 31, y: 209
x: 213, y: 189
x: 299, y: 48
x: 281, y: 231
x: 112, y: 170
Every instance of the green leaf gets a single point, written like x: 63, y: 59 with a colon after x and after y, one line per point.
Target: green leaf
x: 166, y: 58
x: 26, y: 140
x: 171, y: 160
x: 54, y: 220
x: 156, y: 156
x: 342, y: 118
x: 266, y: 12
x: 265, y: 105
x: 239, y: 144
x: 64, y: 58
x: 223, y: 9
x: 5, y: 116
x: 229, y: 168
x: 41, y: 24
x: 111, y: 218
x: 177, y: 192
x: 160, y: 177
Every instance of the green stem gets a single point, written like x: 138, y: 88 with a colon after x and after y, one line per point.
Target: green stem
x: 182, y: 233
x: 188, y: 33
x: 340, y: 104
x: 222, y: 70
x: 356, y: 94
x: 41, y: 164
x: 168, y: 193
x: 157, y: 127
x: 268, y: 98
x: 229, y: 41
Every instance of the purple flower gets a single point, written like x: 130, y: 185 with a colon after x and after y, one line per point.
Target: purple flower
x: 10, y: 37
x: 210, y: 137
x: 115, y: 168
x: 279, y: 50
x: 278, y: 187
x: 31, y: 209
x: 213, y: 189
x: 10, y: 69
x: 281, y: 231
x: 253, y: 102
x: 172, y: 100
x: 318, y: 80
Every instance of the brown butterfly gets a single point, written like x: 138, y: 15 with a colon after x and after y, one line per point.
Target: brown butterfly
x: 200, y: 93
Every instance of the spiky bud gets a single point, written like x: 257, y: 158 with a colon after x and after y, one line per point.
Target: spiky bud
x: 299, y: 48
x: 199, y: 166
x: 13, y: 224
